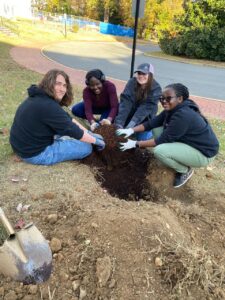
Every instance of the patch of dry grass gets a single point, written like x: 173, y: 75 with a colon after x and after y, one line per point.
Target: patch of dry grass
x: 187, y: 270
x: 3, y: 234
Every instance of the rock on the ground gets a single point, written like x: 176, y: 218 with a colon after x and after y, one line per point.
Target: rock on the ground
x: 83, y: 294
x: 112, y: 283
x: 10, y: 296
x: 56, y: 245
x: 48, y: 195
x: 63, y: 276
x: 75, y: 285
x: 28, y: 297
x: 2, y: 291
x: 103, y: 270
x: 52, y: 219
x: 33, y: 289
x: 158, y: 262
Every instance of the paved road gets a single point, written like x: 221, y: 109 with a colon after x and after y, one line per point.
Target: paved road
x: 114, y: 59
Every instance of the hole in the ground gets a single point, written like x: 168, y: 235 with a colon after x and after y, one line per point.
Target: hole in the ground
x: 122, y: 174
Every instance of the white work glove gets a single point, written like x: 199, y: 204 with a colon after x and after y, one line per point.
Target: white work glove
x: 94, y: 126
x: 128, y: 145
x: 126, y: 132
x: 105, y: 122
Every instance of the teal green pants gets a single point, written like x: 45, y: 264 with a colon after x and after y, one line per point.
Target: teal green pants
x: 179, y: 156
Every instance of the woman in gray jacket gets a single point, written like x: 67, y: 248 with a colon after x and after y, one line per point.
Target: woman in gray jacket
x: 139, y: 100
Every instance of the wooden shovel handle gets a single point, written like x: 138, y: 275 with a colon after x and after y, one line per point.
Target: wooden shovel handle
x: 6, y: 223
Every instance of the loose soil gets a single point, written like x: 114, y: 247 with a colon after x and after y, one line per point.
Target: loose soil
x: 107, y: 248
x: 121, y: 174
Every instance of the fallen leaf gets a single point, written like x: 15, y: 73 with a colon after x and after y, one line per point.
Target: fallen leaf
x: 15, y: 179
x: 19, y: 207
x: 19, y: 224
x: 26, y: 207
x: 4, y: 131
x: 16, y: 158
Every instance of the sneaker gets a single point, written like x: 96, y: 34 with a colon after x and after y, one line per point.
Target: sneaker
x: 182, y: 178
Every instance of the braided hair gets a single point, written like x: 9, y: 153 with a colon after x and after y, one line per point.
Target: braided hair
x: 179, y: 89
x: 182, y: 90
x: 97, y: 73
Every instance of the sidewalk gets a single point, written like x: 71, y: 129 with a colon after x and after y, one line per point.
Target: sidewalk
x: 32, y: 58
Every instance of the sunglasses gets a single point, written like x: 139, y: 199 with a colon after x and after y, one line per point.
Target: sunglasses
x: 166, y: 99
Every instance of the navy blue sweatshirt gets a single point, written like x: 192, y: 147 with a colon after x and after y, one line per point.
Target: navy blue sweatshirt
x: 186, y: 125
x: 37, y: 120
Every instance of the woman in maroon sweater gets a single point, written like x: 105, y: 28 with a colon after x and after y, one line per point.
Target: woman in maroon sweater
x: 99, y: 98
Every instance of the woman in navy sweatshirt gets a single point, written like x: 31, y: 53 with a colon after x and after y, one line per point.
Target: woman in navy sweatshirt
x: 42, y: 132
x: 183, y: 138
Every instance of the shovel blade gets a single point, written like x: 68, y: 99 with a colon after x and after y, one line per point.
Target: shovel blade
x: 26, y: 257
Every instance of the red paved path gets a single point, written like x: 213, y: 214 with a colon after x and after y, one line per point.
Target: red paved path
x: 32, y: 58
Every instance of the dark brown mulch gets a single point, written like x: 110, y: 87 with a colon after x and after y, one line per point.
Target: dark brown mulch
x: 122, y: 174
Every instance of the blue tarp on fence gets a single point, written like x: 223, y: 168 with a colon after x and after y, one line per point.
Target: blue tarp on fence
x: 108, y: 28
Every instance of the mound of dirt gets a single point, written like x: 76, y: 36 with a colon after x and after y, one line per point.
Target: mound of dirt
x: 105, y: 248
x: 121, y: 174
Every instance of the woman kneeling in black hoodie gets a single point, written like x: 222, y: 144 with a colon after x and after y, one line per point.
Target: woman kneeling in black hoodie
x: 183, y: 138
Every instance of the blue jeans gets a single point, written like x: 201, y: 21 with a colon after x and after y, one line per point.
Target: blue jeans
x: 79, y: 111
x: 61, y: 150
x: 144, y: 136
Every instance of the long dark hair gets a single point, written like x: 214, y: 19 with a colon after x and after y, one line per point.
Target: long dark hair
x: 182, y: 91
x: 48, y: 82
x: 141, y: 93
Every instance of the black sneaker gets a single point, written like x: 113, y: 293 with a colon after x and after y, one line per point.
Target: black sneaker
x: 182, y: 178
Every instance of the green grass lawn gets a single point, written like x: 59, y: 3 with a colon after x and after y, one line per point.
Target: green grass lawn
x: 15, y: 80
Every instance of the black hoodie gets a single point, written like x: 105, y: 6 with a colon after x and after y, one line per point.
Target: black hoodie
x: 37, y: 120
x: 186, y: 125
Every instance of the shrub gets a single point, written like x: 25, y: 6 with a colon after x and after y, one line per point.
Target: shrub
x: 75, y: 28
x: 202, y: 43
x: 199, y: 32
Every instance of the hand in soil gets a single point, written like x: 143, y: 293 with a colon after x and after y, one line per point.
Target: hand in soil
x: 94, y: 126
x: 105, y: 122
x: 100, y: 144
x: 95, y: 135
x: 126, y: 132
x: 118, y: 169
x: 128, y: 145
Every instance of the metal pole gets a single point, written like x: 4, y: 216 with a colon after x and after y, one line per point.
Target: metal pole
x: 65, y: 29
x: 135, y: 37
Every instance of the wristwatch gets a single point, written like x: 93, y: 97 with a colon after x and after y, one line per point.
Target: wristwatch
x: 137, y: 145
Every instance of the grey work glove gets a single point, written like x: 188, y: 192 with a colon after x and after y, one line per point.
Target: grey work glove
x: 95, y: 135
x: 94, y: 126
x: 128, y: 145
x: 126, y: 132
x: 100, y: 144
